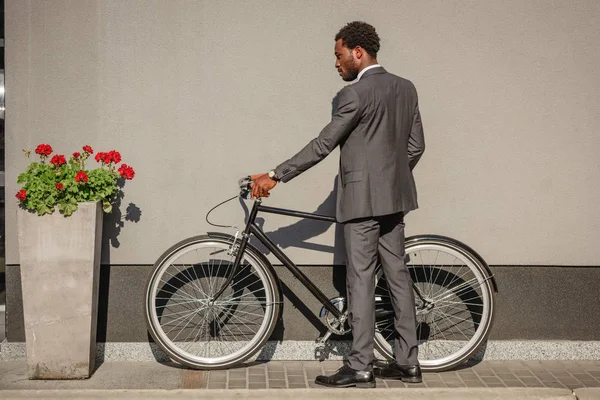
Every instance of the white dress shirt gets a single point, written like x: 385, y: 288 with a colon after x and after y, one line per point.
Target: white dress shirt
x: 360, y: 74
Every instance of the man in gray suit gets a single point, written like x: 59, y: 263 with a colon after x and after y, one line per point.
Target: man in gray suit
x: 377, y: 125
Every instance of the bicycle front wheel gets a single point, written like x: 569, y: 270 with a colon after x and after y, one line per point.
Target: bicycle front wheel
x: 454, y: 303
x: 191, y: 326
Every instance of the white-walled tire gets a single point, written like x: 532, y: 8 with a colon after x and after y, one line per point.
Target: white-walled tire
x: 201, y: 333
x: 456, y: 317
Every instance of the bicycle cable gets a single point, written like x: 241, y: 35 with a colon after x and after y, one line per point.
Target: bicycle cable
x: 218, y: 205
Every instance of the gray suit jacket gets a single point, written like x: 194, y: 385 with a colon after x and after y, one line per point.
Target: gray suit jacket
x: 378, y: 127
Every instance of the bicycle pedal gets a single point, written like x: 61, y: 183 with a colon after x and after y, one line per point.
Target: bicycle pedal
x: 323, y: 339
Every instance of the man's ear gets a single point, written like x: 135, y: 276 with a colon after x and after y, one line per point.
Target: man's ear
x: 358, y: 52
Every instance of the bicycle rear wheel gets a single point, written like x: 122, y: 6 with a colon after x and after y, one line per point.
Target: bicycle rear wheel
x: 191, y: 326
x: 454, y: 302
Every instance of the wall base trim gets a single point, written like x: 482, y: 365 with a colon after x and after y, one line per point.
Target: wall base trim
x: 337, y: 350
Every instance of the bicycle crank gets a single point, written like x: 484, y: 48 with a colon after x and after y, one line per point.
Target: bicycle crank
x: 338, y: 326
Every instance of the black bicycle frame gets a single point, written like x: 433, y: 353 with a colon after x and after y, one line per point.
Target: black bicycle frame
x: 252, y: 228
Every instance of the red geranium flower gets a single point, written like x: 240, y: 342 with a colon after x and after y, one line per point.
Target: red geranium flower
x: 59, y: 186
x: 76, y: 154
x: 81, y: 176
x: 126, y: 171
x: 99, y: 156
x: 43, y: 150
x: 58, y: 160
x: 88, y: 149
x: 21, y: 195
x: 115, y: 156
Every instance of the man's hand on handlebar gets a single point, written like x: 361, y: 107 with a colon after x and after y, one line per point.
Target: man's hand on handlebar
x: 262, y: 185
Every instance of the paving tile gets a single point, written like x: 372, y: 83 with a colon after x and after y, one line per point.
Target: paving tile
x: 257, y: 385
x: 448, y: 374
x: 294, y: 364
x: 581, y: 375
x: 576, y: 386
x: 275, y: 366
x: 313, y: 371
x: 590, y: 383
x: 554, y: 366
x: 277, y: 384
x: 485, y: 372
x: 554, y: 384
x: 502, y: 370
x: 535, y: 366
x: 439, y: 384
x: 592, y: 367
x: 522, y: 372
x: 237, y: 374
x: 393, y: 384
x: 467, y: 375
x: 296, y: 379
x: 331, y: 364
x: 544, y: 376
x: 565, y: 378
x: 474, y: 384
x: 454, y: 382
x: 548, y: 381
x: 257, y: 371
x: 488, y: 380
x: 493, y: 385
x: 513, y: 383
x: 507, y: 376
x: 455, y: 385
x: 257, y: 378
x: 217, y: 378
x: 562, y: 373
x: 294, y: 372
x: 276, y: 375
x: 297, y: 385
x: 217, y: 385
x: 472, y: 380
x: 513, y: 364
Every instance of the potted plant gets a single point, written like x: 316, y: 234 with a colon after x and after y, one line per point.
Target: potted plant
x: 60, y: 231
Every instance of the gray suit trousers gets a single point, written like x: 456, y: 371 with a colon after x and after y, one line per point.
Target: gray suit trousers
x: 365, y: 239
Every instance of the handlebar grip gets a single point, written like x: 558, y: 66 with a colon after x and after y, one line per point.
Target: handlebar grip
x: 245, y: 189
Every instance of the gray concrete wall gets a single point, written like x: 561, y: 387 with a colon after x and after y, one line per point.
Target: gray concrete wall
x: 532, y: 303
x: 196, y: 94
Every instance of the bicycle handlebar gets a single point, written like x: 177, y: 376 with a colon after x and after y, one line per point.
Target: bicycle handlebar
x: 245, y: 189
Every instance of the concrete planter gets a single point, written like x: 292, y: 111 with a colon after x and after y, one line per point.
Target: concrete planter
x: 60, y: 266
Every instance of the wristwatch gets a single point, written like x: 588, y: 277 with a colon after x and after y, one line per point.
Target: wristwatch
x: 273, y: 175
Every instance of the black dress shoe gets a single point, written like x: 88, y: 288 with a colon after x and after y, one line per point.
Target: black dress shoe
x: 347, y: 377
x: 407, y: 373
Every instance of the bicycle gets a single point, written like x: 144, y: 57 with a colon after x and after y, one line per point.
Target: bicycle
x: 212, y: 301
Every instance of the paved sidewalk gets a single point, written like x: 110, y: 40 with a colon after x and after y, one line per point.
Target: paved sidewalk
x: 488, y: 379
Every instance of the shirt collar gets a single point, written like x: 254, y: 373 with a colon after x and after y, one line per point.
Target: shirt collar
x: 360, y: 74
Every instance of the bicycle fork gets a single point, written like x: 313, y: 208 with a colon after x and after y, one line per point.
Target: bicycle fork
x: 238, y: 251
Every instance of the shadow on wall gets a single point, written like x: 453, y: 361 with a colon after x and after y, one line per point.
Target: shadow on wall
x: 112, y: 225
x: 297, y: 235
x: 115, y: 221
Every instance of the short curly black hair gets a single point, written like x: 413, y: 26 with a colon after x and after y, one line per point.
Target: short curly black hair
x: 358, y: 33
